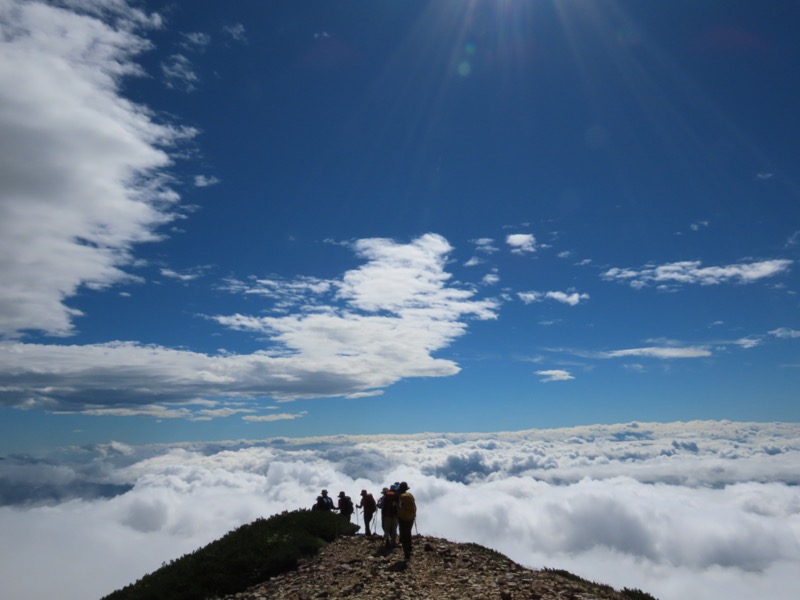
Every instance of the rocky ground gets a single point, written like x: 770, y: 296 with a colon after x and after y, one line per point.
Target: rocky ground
x: 358, y: 567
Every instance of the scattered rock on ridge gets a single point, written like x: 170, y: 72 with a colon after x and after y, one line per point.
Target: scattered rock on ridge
x: 358, y: 567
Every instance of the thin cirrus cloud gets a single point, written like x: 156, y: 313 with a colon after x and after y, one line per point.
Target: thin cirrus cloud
x: 692, y: 273
x: 274, y: 417
x: 662, y: 352
x: 98, y: 186
x: 785, y: 333
x: 377, y: 324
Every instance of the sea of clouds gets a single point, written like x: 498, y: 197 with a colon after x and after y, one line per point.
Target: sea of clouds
x: 700, y: 510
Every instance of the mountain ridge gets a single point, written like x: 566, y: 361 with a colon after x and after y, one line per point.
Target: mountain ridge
x: 359, y: 567
x: 306, y: 554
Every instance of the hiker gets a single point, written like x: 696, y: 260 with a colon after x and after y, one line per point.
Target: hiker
x: 345, y: 507
x: 388, y: 504
x: 406, y: 515
x: 368, y: 504
x: 327, y: 501
x: 319, y: 504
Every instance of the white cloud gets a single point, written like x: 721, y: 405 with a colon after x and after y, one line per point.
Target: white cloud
x: 485, y: 245
x: 491, y: 279
x: 663, y: 352
x: 748, y: 342
x: 366, y: 394
x: 555, y: 375
x: 573, y: 298
x: 196, y: 40
x: 785, y: 333
x: 690, y: 273
x: 205, y: 181
x: 236, y: 31
x: 521, y: 243
x: 82, y: 184
x: 275, y: 417
x: 680, y: 510
x: 179, y: 73
x: 382, y: 323
x: 172, y: 274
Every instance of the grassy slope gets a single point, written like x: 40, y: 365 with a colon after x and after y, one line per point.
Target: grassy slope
x: 245, y: 556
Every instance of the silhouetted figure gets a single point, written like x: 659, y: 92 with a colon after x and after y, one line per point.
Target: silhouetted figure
x: 327, y: 501
x: 345, y: 506
x: 406, y: 515
x: 368, y: 504
x: 388, y: 504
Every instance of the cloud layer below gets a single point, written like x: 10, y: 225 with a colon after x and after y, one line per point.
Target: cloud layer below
x: 701, y: 510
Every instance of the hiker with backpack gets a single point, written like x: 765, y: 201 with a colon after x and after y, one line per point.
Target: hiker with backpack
x: 324, y: 502
x: 345, y: 507
x: 406, y: 515
x: 388, y: 504
x: 368, y: 504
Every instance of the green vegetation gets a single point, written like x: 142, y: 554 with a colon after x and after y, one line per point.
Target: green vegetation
x: 244, y: 557
x: 636, y: 594
x: 633, y: 594
x: 488, y: 553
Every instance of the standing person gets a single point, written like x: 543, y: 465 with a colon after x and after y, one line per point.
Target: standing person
x: 345, y: 506
x: 368, y: 504
x: 388, y: 504
x: 406, y: 515
x: 327, y: 501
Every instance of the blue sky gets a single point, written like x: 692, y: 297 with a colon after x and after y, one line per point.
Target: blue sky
x: 313, y: 218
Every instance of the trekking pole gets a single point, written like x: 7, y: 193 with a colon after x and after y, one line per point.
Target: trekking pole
x: 415, y: 526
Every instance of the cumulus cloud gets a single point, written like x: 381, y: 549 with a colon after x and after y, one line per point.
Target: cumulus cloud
x: 678, y: 509
x: 380, y: 323
x: 571, y: 298
x: 692, y: 273
x: 81, y: 185
x: 555, y: 375
x: 521, y: 243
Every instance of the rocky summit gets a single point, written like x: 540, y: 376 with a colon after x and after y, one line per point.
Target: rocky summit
x: 356, y: 567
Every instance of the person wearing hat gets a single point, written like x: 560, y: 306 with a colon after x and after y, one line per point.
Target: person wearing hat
x: 406, y: 515
x: 326, y: 501
x: 345, y: 506
x: 368, y: 504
